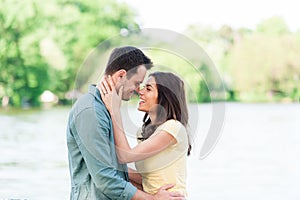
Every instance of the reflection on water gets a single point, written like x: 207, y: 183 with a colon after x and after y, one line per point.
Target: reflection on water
x: 33, y: 155
x: 257, y: 156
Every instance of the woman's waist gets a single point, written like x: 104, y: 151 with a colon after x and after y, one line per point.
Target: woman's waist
x: 152, y: 188
x: 155, y: 180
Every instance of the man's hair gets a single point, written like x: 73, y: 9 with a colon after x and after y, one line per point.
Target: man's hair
x: 127, y: 58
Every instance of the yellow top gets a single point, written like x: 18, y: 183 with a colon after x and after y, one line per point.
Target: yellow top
x: 168, y: 166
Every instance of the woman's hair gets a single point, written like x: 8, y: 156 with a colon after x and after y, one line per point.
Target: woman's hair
x: 171, y: 103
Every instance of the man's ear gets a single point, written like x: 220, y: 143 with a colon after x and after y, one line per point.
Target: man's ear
x: 118, y: 77
x: 121, y: 74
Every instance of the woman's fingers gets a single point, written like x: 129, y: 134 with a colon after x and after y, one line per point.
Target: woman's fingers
x: 99, y: 86
x: 166, y: 187
x: 111, y: 83
x: 106, y: 85
x: 102, y: 88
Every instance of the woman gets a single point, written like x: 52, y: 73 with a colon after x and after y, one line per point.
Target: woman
x: 163, y: 142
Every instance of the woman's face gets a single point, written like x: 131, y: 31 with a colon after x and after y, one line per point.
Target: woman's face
x: 148, y: 96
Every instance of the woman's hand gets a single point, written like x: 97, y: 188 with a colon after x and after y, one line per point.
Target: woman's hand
x: 109, y: 95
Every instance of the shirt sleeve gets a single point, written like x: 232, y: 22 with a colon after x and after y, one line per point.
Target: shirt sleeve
x: 96, y: 149
x: 174, y: 128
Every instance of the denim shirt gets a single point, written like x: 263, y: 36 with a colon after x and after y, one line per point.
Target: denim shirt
x: 94, y: 168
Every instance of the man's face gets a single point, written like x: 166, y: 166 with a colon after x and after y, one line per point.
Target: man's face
x: 132, y: 84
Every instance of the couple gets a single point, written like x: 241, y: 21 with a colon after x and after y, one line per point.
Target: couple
x: 97, y: 146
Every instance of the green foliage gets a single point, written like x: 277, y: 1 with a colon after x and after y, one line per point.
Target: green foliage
x: 266, y: 66
x: 42, y: 44
x: 217, y: 45
x: 273, y: 26
x: 24, y: 75
x: 257, y: 65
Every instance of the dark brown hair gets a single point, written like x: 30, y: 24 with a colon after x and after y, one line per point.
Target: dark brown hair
x: 127, y: 58
x: 171, y: 103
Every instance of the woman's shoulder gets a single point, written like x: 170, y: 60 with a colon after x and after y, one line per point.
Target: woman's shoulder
x: 173, y: 123
x: 173, y: 127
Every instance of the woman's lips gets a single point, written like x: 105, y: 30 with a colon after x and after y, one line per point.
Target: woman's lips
x: 141, y: 102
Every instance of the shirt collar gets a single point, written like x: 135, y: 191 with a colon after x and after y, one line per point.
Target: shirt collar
x: 95, y: 92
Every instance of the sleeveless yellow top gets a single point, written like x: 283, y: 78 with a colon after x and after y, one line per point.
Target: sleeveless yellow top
x: 168, y: 166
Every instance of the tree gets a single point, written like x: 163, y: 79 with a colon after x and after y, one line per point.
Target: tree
x: 42, y: 44
x: 274, y: 26
x: 23, y: 71
x: 266, y: 66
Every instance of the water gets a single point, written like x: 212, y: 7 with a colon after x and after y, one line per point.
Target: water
x: 257, y: 156
x: 33, y: 162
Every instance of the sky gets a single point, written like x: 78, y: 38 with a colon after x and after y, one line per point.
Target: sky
x: 176, y: 15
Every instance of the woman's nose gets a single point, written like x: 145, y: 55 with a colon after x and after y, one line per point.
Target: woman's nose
x: 140, y: 91
x: 137, y: 90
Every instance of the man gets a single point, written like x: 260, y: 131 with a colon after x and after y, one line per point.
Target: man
x: 93, y: 164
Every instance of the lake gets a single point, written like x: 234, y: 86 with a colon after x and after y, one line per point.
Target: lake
x: 257, y: 156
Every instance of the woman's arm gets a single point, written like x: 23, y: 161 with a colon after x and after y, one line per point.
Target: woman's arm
x: 145, y: 149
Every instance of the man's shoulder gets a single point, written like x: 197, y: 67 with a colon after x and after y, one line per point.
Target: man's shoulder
x: 83, y: 102
x: 88, y: 103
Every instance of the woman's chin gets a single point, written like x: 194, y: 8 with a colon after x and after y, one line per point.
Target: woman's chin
x: 141, y: 109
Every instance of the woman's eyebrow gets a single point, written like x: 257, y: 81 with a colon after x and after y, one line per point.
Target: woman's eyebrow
x: 149, y: 85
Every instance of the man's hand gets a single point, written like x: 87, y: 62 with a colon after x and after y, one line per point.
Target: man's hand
x: 164, y: 194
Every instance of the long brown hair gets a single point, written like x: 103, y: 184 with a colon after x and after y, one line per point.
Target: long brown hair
x: 171, y: 103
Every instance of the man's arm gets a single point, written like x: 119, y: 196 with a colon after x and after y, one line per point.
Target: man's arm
x: 96, y: 149
x: 94, y: 146
x: 135, y: 178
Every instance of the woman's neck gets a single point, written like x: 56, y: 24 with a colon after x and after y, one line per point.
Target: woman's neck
x: 152, y: 116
